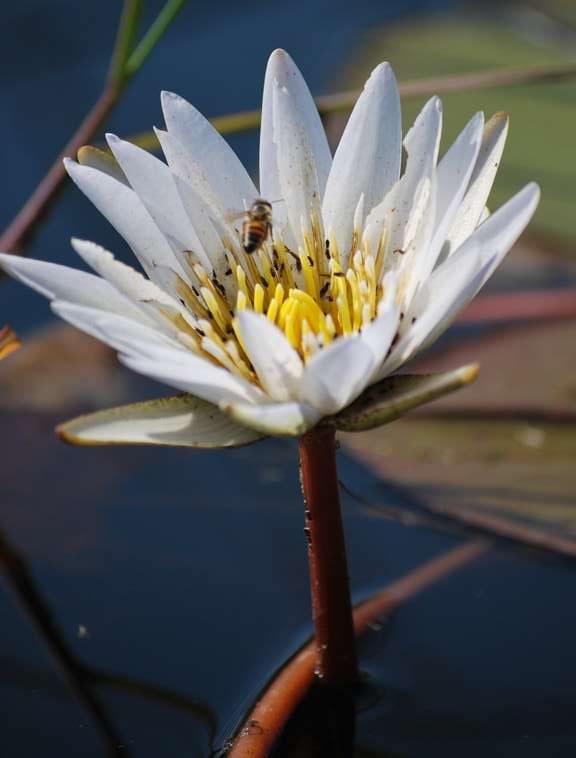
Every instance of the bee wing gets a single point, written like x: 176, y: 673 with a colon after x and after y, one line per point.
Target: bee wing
x: 234, y: 216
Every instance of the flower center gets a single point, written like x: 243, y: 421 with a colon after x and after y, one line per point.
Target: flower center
x: 309, y: 295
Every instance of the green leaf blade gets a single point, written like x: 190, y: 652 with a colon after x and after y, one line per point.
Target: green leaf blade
x: 391, y: 398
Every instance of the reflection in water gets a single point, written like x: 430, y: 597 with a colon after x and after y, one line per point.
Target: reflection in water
x: 80, y: 679
x: 76, y: 677
x: 322, y: 725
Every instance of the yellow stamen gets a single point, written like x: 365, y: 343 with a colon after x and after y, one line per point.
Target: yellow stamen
x: 241, y: 301
x: 312, y: 311
x: 284, y: 270
x: 272, y: 311
x: 287, y: 306
x: 279, y: 294
x: 241, y: 282
x: 329, y: 301
x: 259, y: 298
x: 268, y: 276
x: 344, y: 313
x: 214, y: 308
x: 352, y: 280
x: 308, y: 274
x: 293, y: 325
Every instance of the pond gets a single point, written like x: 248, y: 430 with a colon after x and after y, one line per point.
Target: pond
x: 178, y: 579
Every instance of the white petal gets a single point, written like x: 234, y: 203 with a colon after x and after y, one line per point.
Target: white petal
x: 61, y: 282
x: 456, y: 281
x: 125, y: 211
x: 336, y: 375
x: 197, y: 376
x: 473, y: 205
x: 183, y: 421
x: 154, y: 184
x: 276, y: 419
x: 119, y: 332
x: 223, y: 170
x: 128, y: 281
x: 422, y: 141
x: 184, y: 166
x: 500, y: 231
x: 368, y: 157
x: 207, y: 229
x: 299, y: 186
x: 452, y: 179
x: 269, y: 178
x: 282, y: 70
x: 275, y: 361
x: 412, y: 255
x: 378, y: 335
x: 408, y: 211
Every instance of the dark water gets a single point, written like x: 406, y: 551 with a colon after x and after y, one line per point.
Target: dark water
x: 186, y: 572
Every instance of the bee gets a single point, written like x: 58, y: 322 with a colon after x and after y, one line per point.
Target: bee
x: 257, y: 225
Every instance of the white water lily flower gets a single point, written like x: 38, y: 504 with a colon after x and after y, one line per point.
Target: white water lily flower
x: 364, y: 267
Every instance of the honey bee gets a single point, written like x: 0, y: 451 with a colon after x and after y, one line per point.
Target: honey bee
x: 257, y: 225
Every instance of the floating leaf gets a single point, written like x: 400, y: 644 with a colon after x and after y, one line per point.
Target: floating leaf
x: 181, y: 421
x: 392, y: 397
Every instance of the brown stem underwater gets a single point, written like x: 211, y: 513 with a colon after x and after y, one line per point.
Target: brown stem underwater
x: 289, y: 687
x: 336, y: 662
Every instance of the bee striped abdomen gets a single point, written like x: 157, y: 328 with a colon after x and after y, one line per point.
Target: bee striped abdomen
x: 254, y: 233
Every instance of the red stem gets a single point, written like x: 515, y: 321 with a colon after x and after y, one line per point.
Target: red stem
x: 14, y: 237
x: 277, y: 703
x: 336, y: 662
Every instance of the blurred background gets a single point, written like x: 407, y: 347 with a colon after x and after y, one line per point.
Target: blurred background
x: 180, y: 578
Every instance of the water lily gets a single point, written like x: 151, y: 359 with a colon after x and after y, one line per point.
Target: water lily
x: 366, y: 263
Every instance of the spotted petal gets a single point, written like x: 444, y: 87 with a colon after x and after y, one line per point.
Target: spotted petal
x: 367, y: 160
x: 209, y: 151
x: 297, y: 174
x: 282, y: 72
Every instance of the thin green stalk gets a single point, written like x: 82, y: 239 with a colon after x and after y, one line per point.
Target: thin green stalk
x: 123, y: 66
x: 125, y: 41
x: 152, y: 36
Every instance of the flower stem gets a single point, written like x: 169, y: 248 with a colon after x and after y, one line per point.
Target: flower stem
x: 336, y: 662
x: 278, y: 702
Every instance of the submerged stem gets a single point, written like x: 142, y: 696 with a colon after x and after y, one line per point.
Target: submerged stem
x: 331, y: 604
